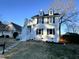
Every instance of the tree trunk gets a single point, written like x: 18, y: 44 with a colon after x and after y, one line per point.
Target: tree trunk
x: 59, y: 31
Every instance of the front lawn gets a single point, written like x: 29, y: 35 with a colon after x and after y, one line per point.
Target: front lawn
x: 43, y: 50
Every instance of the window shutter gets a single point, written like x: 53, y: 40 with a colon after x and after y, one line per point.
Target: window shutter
x: 53, y: 31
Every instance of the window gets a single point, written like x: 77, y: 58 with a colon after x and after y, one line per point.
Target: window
x: 40, y: 20
x: 41, y: 13
x: 29, y: 28
x: 49, y: 20
x: 50, y: 12
x: 50, y: 31
x: 39, y: 31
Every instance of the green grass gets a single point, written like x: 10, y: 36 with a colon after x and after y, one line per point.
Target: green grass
x: 43, y: 50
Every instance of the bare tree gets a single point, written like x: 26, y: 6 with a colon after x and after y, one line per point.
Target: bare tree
x: 63, y: 5
x: 67, y: 11
x: 66, y: 21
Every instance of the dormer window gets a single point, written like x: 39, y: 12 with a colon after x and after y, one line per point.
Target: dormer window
x: 41, y: 13
x: 50, y: 12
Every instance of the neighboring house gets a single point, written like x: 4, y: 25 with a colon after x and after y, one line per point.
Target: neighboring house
x: 14, y: 28
x: 3, y: 29
x: 9, y: 29
x: 17, y: 28
x: 43, y: 27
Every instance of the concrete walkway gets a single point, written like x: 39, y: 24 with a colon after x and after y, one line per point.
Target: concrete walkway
x: 2, y: 57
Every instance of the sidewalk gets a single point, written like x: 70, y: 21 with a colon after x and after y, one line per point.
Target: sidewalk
x: 2, y: 57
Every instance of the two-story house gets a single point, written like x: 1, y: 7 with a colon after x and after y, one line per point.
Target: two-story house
x: 43, y: 27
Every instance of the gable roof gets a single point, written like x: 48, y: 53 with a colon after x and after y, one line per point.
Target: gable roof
x: 17, y: 27
x: 3, y: 27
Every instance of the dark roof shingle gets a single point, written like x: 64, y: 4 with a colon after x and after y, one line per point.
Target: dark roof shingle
x: 17, y: 27
x: 39, y: 15
x: 3, y: 27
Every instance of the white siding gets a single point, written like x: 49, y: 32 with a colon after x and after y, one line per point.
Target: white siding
x: 32, y: 35
x: 6, y: 33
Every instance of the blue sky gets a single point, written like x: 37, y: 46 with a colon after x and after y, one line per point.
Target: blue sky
x: 17, y: 10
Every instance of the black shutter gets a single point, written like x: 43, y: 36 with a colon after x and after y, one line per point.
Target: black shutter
x: 53, y: 31
x: 54, y: 19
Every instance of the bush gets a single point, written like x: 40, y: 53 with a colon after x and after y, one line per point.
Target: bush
x: 15, y: 34
x: 71, y: 38
x: 2, y: 36
x: 7, y: 36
